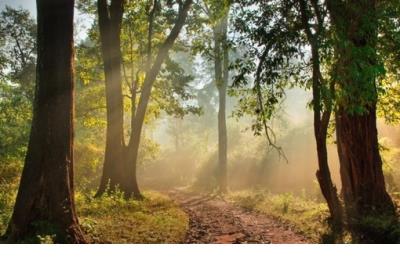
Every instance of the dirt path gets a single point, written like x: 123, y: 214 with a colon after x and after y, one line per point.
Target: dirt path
x: 213, y: 220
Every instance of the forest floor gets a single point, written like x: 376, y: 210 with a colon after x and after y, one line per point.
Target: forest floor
x: 213, y: 219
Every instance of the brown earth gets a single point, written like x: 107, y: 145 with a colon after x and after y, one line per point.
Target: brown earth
x: 214, y: 220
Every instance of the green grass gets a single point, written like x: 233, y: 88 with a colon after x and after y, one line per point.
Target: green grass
x: 304, y: 216
x: 309, y: 217
x: 112, y: 219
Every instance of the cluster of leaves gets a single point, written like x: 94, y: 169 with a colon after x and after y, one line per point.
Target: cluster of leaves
x: 272, y: 35
x: 171, y: 92
x: 207, y: 16
x: 17, y: 78
x: 389, y: 53
x: 269, y: 33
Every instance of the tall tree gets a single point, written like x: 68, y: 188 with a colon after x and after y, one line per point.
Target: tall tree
x: 322, y: 104
x: 46, y: 191
x: 211, y: 40
x: 120, y: 158
x: 110, y: 23
x: 151, y: 74
x: 356, y: 34
x: 221, y: 70
x: 280, y: 60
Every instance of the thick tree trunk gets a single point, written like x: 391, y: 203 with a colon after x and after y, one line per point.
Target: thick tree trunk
x: 151, y: 75
x: 361, y: 172
x: 46, y: 194
x: 360, y: 162
x: 221, y: 69
x: 110, y: 20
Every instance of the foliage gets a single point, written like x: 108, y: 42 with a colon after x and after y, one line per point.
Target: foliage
x: 18, y: 48
x: 88, y: 165
x: 8, y: 193
x: 389, y: 52
x: 17, y: 78
x: 269, y: 34
x: 389, y: 98
x: 390, y: 159
x: 378, y: 229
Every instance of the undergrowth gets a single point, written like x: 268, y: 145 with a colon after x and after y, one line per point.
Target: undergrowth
x: 112, y: 219
x: 310, y: 218
x: 303, y: 215
x: 8, y: 193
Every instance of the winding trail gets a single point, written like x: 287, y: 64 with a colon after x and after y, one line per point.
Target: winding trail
x: 214, y: 220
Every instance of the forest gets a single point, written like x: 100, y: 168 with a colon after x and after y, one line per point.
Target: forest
x: 200, y: 121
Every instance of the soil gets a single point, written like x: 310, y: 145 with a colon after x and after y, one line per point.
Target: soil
x: 214, y: 220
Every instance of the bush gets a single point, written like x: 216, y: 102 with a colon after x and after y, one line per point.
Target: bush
x: 10, y: 168
x: 378, y: 229
x: 88, y: 165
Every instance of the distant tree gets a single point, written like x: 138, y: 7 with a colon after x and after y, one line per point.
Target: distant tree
x: 221, y: 69
x: 211, y: 40
x: 45, y: 200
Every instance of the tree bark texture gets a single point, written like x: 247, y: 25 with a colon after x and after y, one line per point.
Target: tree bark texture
x: 45, y: 199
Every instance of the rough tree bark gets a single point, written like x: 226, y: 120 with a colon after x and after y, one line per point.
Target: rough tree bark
x: 321, y: 122
x: 361, y: 172
x: 151, y: 75
x: 110, y: 21
x: 221, y: 70
x: 46, y: 191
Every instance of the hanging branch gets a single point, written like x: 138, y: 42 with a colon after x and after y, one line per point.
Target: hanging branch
x: 269, y: 133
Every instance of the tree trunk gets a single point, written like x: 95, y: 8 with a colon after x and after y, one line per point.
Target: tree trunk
x: 221, y: 69
x: 151, y: 75
x: 46, y: 192
x: 323, y: 174
x: 321, y: 123
x: 361, y: 172
x: 110, y: 20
